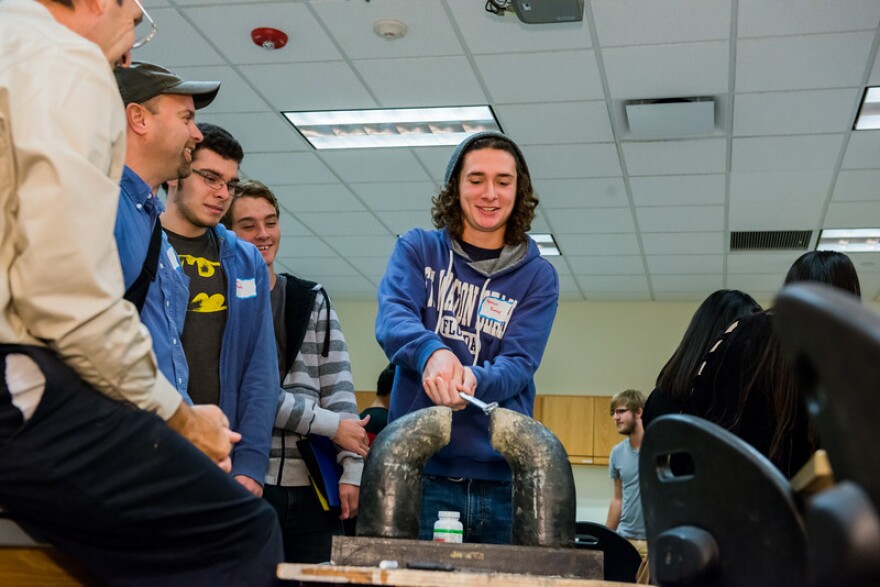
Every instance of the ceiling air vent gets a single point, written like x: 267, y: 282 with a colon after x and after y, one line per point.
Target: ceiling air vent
x: 770, y: 240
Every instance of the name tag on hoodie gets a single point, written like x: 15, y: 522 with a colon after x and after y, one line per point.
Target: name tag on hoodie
x: 496, y: 309
x: 245, y: 288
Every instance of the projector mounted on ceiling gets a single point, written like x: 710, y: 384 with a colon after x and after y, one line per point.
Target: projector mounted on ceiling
x: 549, y: 11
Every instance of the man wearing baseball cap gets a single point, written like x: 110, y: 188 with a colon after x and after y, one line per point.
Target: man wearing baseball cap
x: 161, y: 135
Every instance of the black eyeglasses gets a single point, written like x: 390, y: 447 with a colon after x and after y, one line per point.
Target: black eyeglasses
x: 215, y: 183
x: 619, y: 411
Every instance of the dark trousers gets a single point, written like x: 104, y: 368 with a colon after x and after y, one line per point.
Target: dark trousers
x: 308, y: 530
x: 114, y: 487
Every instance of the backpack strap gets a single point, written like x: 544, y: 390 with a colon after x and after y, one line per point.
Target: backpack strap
x: 137, y: 293
x: 299, y: 299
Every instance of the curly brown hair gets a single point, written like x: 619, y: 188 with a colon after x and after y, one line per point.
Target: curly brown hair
x: 446, y: 211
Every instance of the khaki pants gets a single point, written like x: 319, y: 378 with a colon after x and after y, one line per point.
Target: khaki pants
x: 643, y: 576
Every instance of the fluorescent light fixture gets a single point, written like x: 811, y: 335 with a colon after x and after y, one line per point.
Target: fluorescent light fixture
x: 401, y: 127
x: 850, y: 240
x: 869, y: 112
x: 546, y: 244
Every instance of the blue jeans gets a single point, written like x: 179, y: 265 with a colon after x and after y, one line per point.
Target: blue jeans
x: 486, y: 507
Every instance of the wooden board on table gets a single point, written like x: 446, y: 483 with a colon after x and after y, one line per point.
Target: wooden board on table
x: 501, y: 558
x: 334, y: 574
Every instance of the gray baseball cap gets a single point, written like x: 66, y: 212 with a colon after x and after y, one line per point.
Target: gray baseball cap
x: 143, y: 81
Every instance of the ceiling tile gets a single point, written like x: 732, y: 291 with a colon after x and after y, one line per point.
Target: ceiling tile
x: 775, y: 215
x: 604, y: 192
x: 853, y: 215
x: 290, y: 226
x: 656, y: 71
x: 594, y: 220
x: 802, y: 62
x: 874, y: 77
x: 676, y: 157
x: 776, y: 264
x: 562, y: 122
x: 164, y: 51
x: 539, y: 223
x: 593, y: 284
x: 686, y: 283
x: 373, y: 267
x: 259, y: 132
x: 598, y: 244
x: 362, y: 246
x: 660, y: 21
x: 330, y: 85
x: 412, y: 195
x: 801, y: 153
x: 568, y: 289
x: 329, y: 224
x: 750, y: 282
x: 570, y: 75
x: 670, y: 243
x: 422, y: 81
x: 374, y: 164
x: 435, y: 160
x: 398, y: 222
x: 489, y: 33
x: 235, y: 95
x: 429, y: 31
x: 753, y: 189
x: 680, y: 218
x: 231, y: 27
x: 685, y: 264
x: 759, y: 18
x: 316, y: 268
x: 607, y: 265
x: 857, y: 185
x: 862, y: 150
x: 317, y: 198
x: 787, y: 113
x: 286, y: 168
x: 677, y: 190
x: 559, y: 263
x: 295, y: 247
x: 566, y: 161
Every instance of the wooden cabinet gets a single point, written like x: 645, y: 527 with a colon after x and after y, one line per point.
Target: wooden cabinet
x: 582, y: 423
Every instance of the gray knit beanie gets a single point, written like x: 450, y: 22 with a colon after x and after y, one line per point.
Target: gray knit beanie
x: 463, y: 146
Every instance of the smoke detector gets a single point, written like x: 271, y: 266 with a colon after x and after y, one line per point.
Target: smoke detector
x: 389, y: 29
x: 268, y: 38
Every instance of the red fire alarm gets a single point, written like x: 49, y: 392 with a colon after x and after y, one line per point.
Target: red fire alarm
x: 269, y: 38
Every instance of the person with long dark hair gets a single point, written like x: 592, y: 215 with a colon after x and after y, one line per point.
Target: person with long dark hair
x: 746, y: 384
x: 718, y: 311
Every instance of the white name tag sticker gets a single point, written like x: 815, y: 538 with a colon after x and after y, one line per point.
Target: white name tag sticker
x: 172, y: 258
x: 245, y: 288
x: 496, y: 309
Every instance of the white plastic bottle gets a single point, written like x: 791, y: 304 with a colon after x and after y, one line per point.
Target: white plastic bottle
x: 448, y: 528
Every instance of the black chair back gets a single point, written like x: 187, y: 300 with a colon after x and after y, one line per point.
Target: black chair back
x: 833, y: 341
x: 622, y: 560
x: 730, y: 519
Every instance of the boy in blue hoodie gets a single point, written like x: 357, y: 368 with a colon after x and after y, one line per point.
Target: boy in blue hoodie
x: 469, y: 307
